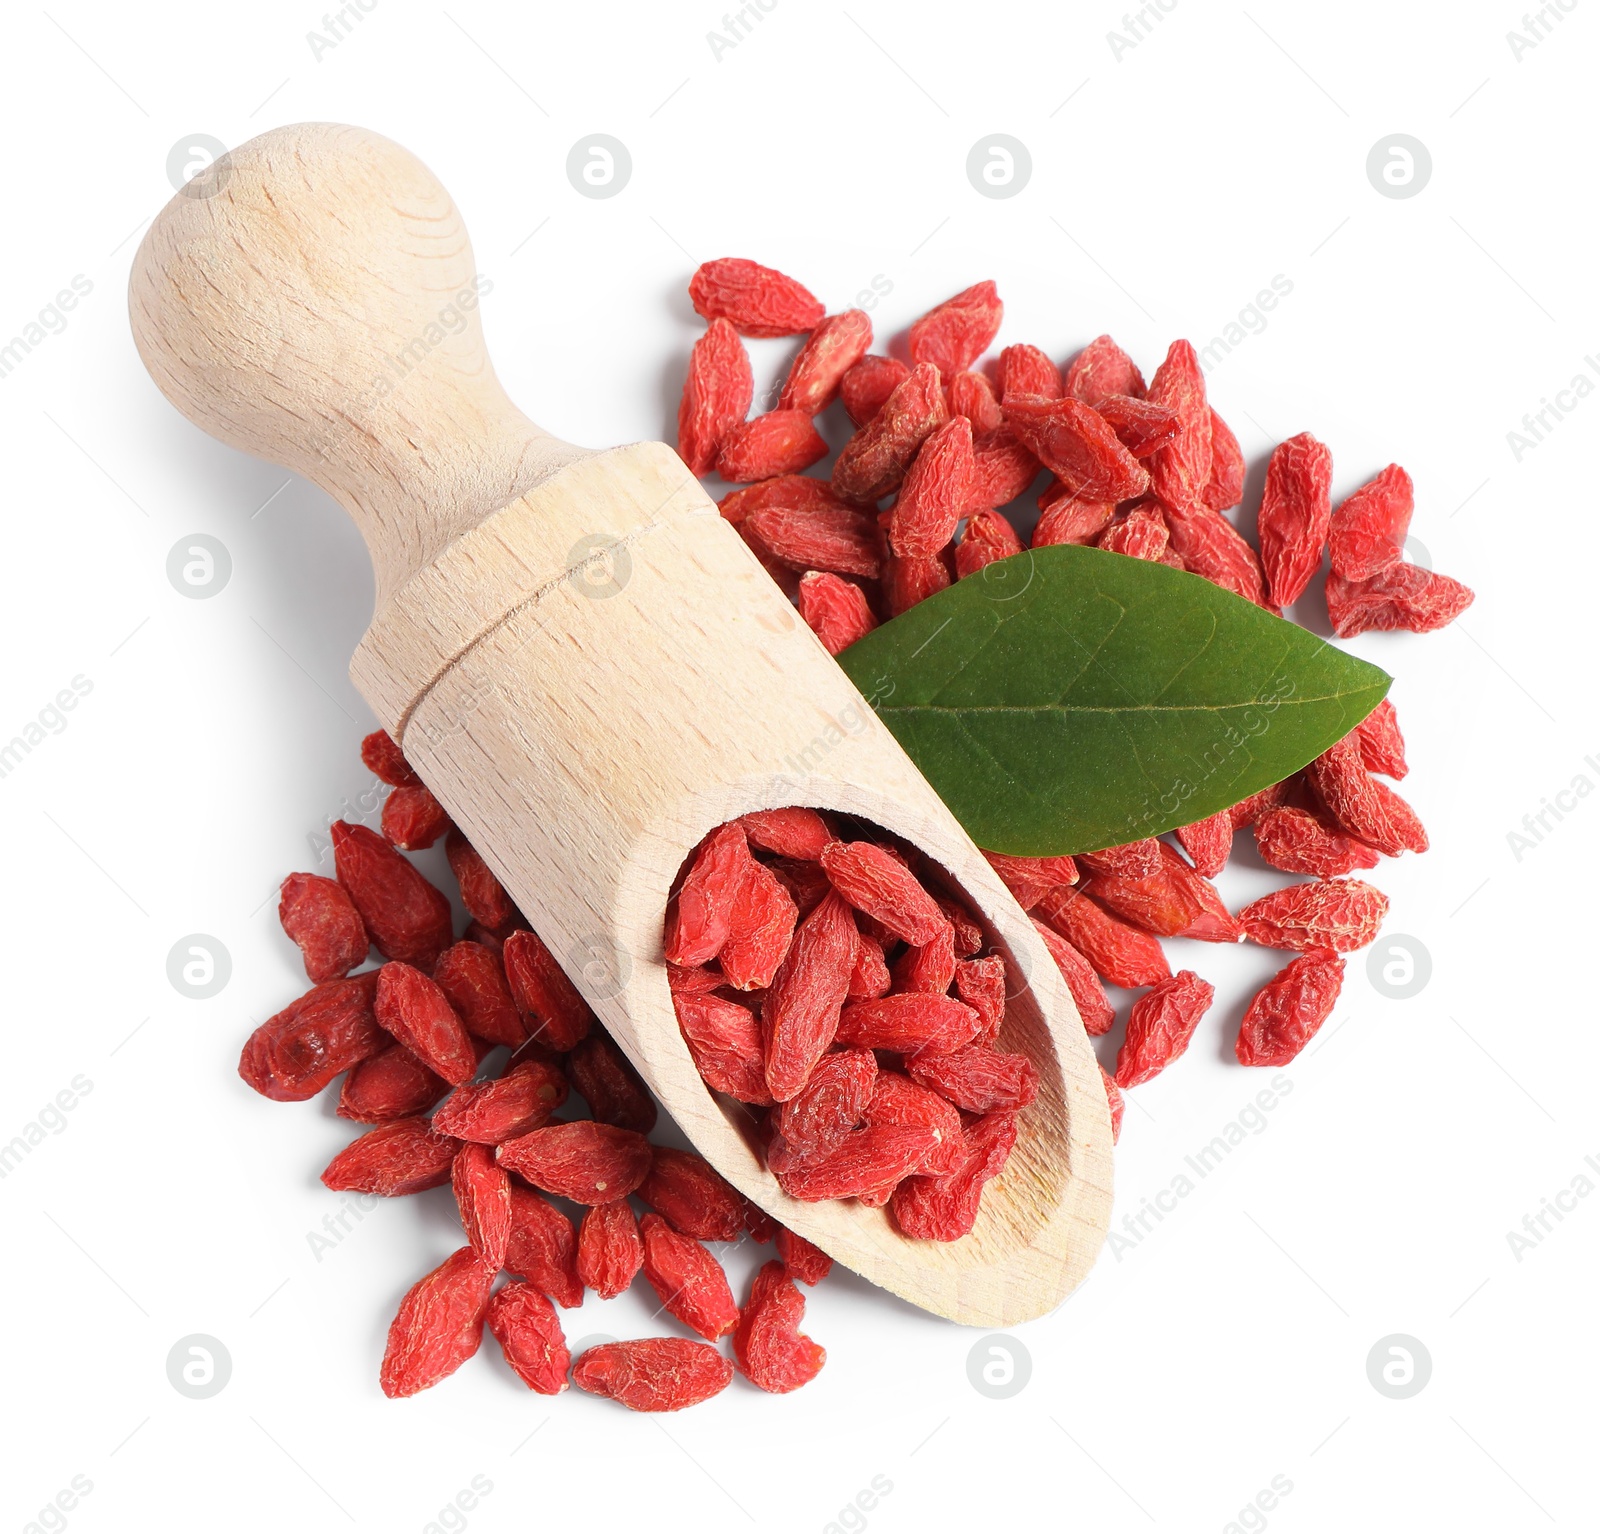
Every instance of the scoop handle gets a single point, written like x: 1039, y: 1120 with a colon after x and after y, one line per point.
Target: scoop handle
x: 312, y: 298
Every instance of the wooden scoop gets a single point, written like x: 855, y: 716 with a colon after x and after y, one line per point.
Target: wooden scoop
x: 581, y: 658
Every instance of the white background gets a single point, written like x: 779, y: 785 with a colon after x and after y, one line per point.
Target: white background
x: 1169, y: 185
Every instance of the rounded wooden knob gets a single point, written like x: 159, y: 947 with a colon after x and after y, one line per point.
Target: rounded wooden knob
x: 314, y: 300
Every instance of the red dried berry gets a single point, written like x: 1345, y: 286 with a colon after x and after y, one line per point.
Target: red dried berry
x: 791, y: 832
x: 1208, y: 842
x: 413, y: 819
x: 831, y: 350
x: 1404, y: 597
x: 692, y: 1196
x: 815, y: 1121
x: 385, y: 761
x: 1141, y: 425
x: 897, y: 1099
x: 1132, y: 860
x: 866, y: 388
x: 1142, y: 534
x: 989, y: 537
x: 878, y: 884
x: 610, y: 1250
x: 491, y: 1112
x: 724, y: 1040
x: 875, y: 1157
x: 1299, y: 843
x: 404, y: 1156
x: 1368, y: 810
x: 1119, y: 953
x: 870, y: 977
x: 818, y: 536
x: 772, y: 1352
x: 653, y: 1373
x: 1211, y: 546
x: 414, y: 1009
x: 323, y: 923
x: 1368, y: 532
x: 406, y: 917
x: 1003, y: 468
x: 760, y: 929
x: 1116, y: 1102
x: 1077, y: 445
x: 298, y: 1051
x: 971, y: 395
x: 928, y: 967
x: 1382, y: 746
x: 587, y: 1162
x: 787, y: 491
x: 439, y: 1325
x: 391, y: 1085
x: 1171, y: 901
x: 472, y: 979
x: 1031, y: 879
x: 1341, y: 914
x: 756, y: 300
x: 1102, y: 368
x: 481, y: 893
x: 1027, y: 370
x: 779, y: 442
x: 483, y: 1196
x: 978, y: 1079
x: 1293, y: 520
x: 524, y: 1323
x: 716, y: 395
x: 610, y: 1085
x: 542, y: 991
x: 1181, y: 470
x: 542, y: 1247
x: 1225, y: 488
x: 835, y: 610
x: 937, y: 489
x: 1248, y: 811
x: 981, y: 984
x: 688, y: 1280
x: 875, y: 460
x: 955, y: 334
x: 1160, y: 1026
x: 801, y: 1260
x: 909, y: 1023
x: 1286, y: 1012
x: 909, y: 581
x: 1087, y: 992
x: 801, y: 1012
x: 1066, y: 517
x: 946, y: 1208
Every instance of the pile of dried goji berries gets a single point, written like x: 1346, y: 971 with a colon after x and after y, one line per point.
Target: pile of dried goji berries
x: 412, y: 1038
x: 869, y: 1079
x: 1143, y: 471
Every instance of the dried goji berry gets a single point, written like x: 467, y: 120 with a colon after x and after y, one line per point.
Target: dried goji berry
x: 439, y: 1325
x: 406, y: 917
x: 653, y: 1373
x: 393, y: 1159
x: 1119, y: 953
x: 818, y: 536
x: 1066, y: 517
x: 1382, y: 746
x: 1181, y: 470
x: 831, y: 350
x: 817, y: 1118
x: 414, y: 1009
x: 1103, y: 368
x: 756, y: 300
x: 937, y: 488
x: 874, y: 461
x: 760, y: 929
x: 1293, y: 519
x: 877, y: 883
x: 1208, y: 842
x: 688, y: 1279
x: 587, y: 1162
x: 835, y: 610
x: 1287, y: 1011
x: 945, y: 1208
x: 471, y: 978
x: 909, y: 1023
x: 490, y: 1112
x: 981, y: 984
x: 524, y: 1323
x: 693, y: 982
x: 391, y: 1085
x: 1404, y: 596
x: 481, y: 893
x: 716, y: 395
x: 1027, y: 370
x: 542, y: 1247
x: 483, y: 1196
x: 870, y: 977
x: 1141, y: 425
x: 791, y: 832
x: 929, y: 967
x: 801, y: 1012
x: 866, y: 387
x: 897, y: 1099
x: 1142, y: 534
x: 413, y: 819
x: 956, y: 333
x: 801, y: 1260
x: 782, y: 490
x: 542, y: 991
x: 692, y: 1196
x: 978, y: 1079
x: 1211, y: 546
x: 1131, y: 860
x: 989, y: 536
x: 972, y: 396
x: 1341, y: 914
x: 1174, y: 900
x: 1214, y: 924
x: 779, y: 442
x: 1299, y: 843
x: 909, y: 581
x: 724, y: 1041
x: 1078, y: 446
x: 1093, y: 1005
x: 1368, y: 532
x: 298, y: 1051
x: 1225, y: 488
x: 610, y: 1251
x: 968, y: 938
x: 771, y: 1351
x: 385, y: 761
x: 1248, y: 811
x: 610, y: 1085
x: 877, y: 1156
x: 1003, y: 468
x: 1031, y: 879
x: 1160, y: 1026
x: 323, y: 923
x: 1368, y: 810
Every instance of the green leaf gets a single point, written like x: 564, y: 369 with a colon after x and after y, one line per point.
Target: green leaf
x: 1067, y: 699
